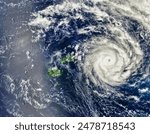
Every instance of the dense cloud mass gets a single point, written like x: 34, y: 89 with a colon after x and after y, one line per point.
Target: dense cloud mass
x: 110, y: 57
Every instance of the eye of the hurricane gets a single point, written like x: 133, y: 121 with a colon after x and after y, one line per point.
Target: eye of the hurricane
x: 107, y: 59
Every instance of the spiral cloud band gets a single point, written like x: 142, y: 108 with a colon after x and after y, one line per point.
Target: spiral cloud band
x: 110, y: 61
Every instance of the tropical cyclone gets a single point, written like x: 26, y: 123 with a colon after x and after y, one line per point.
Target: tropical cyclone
x: 111, y: 58
x: 109, y: 62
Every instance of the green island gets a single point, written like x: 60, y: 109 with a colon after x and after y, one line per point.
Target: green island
x: 66, y: 59
x: 54, y: 72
